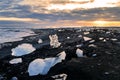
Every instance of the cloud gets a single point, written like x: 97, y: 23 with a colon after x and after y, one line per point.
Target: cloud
x: 58, y: 12
x: 14, y: 24
x: 41, y: 6
x: 18, y: 19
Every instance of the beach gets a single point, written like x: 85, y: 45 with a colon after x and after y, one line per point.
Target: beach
x: 100, y: 60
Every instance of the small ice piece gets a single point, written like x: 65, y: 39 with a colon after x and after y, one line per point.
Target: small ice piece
x: 40, y: 41
x: 15, y: 61
x: 60, y: 77
x: 92, y: 41
x: 80, y: 36
x: 92, y: 45
x: 1, y: 77
x: 85, y: 33
x: 79, y: 52
x: 78, y: 30
x: 87, y: 29
x: 113, y: 39
x: 107, y: 73
x: 80, y: 45
x: 60, y: 30
x: 14, y: 78
x: 104, y: 40
x: 107, y: 32
x: 68, y: 37
x: 87, y: 38
x: 94, y: 55
x: 101, y: 38
x: 62, y: 55
x: 42, y: 66
x: 54, y: 41
x: 22, y: 49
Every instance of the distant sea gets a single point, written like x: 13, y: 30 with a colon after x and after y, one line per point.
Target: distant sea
x: 14, y: 34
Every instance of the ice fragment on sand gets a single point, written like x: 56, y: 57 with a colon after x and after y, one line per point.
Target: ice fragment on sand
x: 92, y: 45
x: 101, y: 38
x: 42, y: 66
x: 68, y: 37
x: 14, y: 78
x: 40, y: 41
x: 108, y: 32
x: 104, y: 40
x: 92, y: 41
x: 113, y: 39
x: 80, y: 45
x: 54, y: 41
x: 15, y: 61
x: 94, y: 55
x: 60, y: 77
x: 87, y: 38
x: 1, y: 77
x: 107, y: 73
x: 80, y: 36
x: 79, y: 52
x: 78, y: 30
x: 22, y: 49
x: 85, y: 33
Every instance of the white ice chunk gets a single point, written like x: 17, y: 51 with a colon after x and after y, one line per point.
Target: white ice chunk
x: 60, y: 77
x: 36, y: 67
x: 15, y: 61
x: 85, y: 33
x: 22, y: 49
x: 80, y: 45
x: 94, y: 55
x: 54, y: 41
x: 40, y: 41
x: 101, y: 38
x: 92, y: 41
x: 80, y: 36
x: 78, y: 30
x: 42, y: 66
x: 104, y: 40
x: 113, y: 39
x: 107, y: 73
x: 14, y: 78
x: 108, y: 32
x: 87, y: 29
x: 87, y: 38
x: 92, y: 45
x: 60, y: 30
x: 68, y: 37
x: 79, y: 52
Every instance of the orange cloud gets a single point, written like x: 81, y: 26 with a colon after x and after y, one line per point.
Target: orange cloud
x: 18, y: 19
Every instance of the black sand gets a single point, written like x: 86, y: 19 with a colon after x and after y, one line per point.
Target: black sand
x: 105, y: 65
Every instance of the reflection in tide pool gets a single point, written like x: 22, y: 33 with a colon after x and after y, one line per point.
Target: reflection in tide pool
x: 22, y: 49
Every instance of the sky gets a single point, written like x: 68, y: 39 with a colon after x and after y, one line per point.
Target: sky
x: 59, y: 13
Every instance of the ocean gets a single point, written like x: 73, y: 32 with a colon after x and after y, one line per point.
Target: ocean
x: 14, y: 34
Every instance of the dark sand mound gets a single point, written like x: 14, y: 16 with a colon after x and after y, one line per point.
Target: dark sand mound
x: 101, y: 61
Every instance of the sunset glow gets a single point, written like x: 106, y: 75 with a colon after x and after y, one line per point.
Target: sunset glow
x: 100, y: 23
